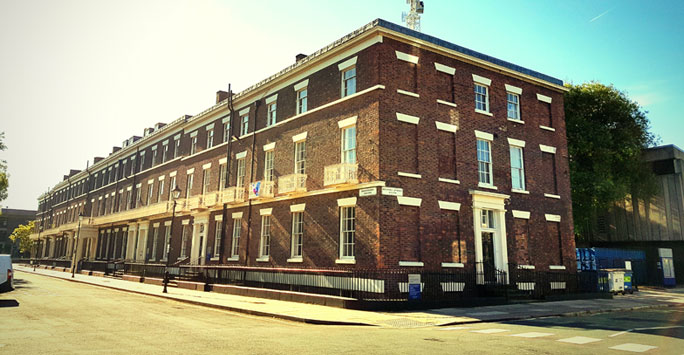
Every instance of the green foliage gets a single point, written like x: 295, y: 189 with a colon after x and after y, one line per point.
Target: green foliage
x: 23, y: 233
x: 607, y: 133
x: 4, y: 177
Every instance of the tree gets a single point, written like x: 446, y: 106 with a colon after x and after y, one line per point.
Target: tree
x: 607, y: 133
x: 4, y: 182
x: 23, y: 234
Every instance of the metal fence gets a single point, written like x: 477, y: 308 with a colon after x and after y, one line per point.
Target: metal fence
x: 388, y: 284
x: 45, y: 262
x: 439, y: 287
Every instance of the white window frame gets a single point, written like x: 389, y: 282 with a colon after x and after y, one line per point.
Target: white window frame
x: 300, y: 157
x: 348, y: 89
x: 165, y: 153
x: 184, y: 240
x: 271, y: 113
x: 517, y: 150
x: 206, y: 180
x: 244, y: 124
x: 172, y: 185
x: 193, y: 145
x: 240, y: 173
x: 297, y: 245
x: 188, y: 187
x: 347, y: 235
x: 226, y: 131
x: 160, y: 190
x: 265, y: 242
x: 489, y: 169
x: 210, y: 138
x: 515, y: 103
x: 481, y: 99
x: 302, y: 97
x: 150, y: 190
x: 237, y: 230
x: 269, y: 171
x: 222, y: 176
x: 217, y: 237
x: 176, y: 147
x: 155, y: 240
x: 348, y: 152
x: 138, y: 196
x: 167, y: 240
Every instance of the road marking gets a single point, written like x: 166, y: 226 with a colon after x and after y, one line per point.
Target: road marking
x: 489, y: 331
x: 455, y: 328
x: 492, y: 313
x: 540, y: 310
x: 651, y: 328
x: 635, y: 348
x: 579, y: 340
x: 531, y: 335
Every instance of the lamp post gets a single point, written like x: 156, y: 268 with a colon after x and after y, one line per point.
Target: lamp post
x: 73, y: 253
x: 175, y: 194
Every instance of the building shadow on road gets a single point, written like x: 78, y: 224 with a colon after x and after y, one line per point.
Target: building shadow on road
x: 667, y: 323
x: 8, y: 303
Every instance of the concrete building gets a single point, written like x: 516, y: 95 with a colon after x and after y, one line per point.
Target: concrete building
x: 388, y: 148
x: 651, y: 224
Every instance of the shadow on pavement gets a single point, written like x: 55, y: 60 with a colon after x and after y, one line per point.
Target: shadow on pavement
x: 8, y: 303
x: 21, y: 283
x: 655, y: 322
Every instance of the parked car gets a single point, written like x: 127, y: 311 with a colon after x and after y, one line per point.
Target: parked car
x: 6, y: 273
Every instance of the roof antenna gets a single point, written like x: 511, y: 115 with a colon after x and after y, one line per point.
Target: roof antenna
x: 412, y: 19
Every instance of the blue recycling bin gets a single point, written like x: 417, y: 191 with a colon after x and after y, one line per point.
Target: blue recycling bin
x: 629, y: 286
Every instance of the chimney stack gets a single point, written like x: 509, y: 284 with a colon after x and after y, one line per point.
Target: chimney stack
x: 221, y: 95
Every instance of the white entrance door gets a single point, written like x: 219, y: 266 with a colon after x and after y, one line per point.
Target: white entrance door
x: 198, y: 243
x: 489, y: 224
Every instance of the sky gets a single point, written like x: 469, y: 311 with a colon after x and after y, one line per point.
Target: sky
x: 79, y: 77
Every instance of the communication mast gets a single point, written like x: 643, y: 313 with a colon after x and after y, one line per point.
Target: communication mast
x: 412, y: 19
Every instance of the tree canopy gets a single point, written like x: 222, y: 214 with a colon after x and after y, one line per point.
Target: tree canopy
x: 4, y: 178
x: 23, y: 234
x: 607, y: 133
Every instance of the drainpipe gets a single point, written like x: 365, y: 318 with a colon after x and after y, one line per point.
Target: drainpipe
x: 222, y: 252
x: 251, y: 177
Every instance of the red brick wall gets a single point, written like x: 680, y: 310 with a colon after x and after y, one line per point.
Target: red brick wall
x: 433, y: 85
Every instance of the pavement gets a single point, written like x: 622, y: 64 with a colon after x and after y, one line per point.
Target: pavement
x: 646, y: 298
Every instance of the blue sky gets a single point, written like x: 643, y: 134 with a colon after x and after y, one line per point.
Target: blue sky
x: 79, y: 76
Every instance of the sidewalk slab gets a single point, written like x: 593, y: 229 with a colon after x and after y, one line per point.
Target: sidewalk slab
x: 320, y: 314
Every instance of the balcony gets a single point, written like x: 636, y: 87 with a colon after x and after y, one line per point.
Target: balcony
x: 232, y: 195
x: 193, y: 203
x: 292, y: 183
x: 337, y: 174
x: 261, y: 189
x: 136, y: 213
x: 211, y: 199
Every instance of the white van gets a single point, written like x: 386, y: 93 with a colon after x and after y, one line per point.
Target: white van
x: 6, y: 273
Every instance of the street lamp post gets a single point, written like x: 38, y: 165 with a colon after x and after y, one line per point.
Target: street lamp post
x: 73, y: 253
x: 175, y: 194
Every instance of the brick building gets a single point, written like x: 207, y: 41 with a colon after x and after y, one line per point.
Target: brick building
x: 9, y: 220
x: 388, y: 148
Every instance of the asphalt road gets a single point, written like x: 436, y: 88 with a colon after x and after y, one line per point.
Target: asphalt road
x: 50, y: 316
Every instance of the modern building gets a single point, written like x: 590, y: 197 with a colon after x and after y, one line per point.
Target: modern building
x: 388, y: 148
x: 653, y: 225
x: 9, y: 220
